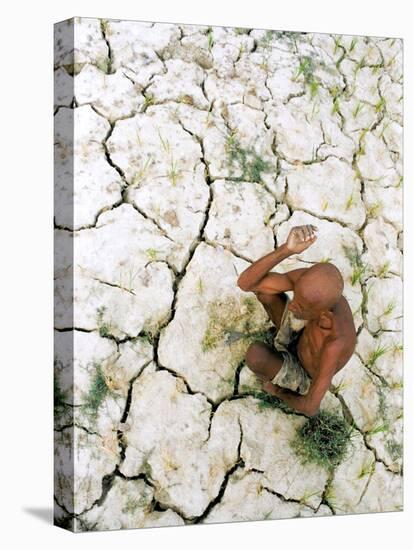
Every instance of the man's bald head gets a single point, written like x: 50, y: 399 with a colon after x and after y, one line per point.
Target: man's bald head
x: 321, y: 286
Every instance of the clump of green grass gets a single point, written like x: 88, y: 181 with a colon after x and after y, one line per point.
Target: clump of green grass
x: 306, y: 68
x: 336, y: 106
x: 174, y: 172
x: 356, y: 262
x: 152, y: 254
x: 367, y: 468
x: 389, y: 308
x: 241, y: 30
x: 337, y: 43
x: 383, y: 270
x: 323, y: 439
x: 374, y: 209
x: 103, y: 327
x: 378, y: 428
x: 350, y: 202
x: 149, y: 100
x: 98, y: 390
x: 380, y: 105
x: 266, y: 40
x: 352, y: 45
x: 358, y: 109
x: 376, y: 354
x: 251, y: 164
x: 360, y: 65
x: 141, y: 173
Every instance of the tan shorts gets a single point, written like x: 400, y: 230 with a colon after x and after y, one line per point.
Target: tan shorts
x: 292, y: 374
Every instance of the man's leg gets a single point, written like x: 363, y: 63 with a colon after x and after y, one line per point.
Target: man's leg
x: 263, y: 360
x: 274, y: 305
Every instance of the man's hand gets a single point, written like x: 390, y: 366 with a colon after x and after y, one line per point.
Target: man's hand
x: 300, y: 238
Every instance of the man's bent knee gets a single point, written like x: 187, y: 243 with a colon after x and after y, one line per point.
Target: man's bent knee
x: 256, y: 355
x: 262, y: 361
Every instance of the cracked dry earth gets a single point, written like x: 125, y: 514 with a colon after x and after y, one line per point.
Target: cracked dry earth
x: 196, y: 149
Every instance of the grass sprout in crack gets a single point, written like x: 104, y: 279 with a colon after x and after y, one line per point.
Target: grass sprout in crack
x: 100, y: 388
x: 247, y: 160
x: 324, y: 439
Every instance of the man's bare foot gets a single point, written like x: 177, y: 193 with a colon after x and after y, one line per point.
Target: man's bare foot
x: 269, y: 387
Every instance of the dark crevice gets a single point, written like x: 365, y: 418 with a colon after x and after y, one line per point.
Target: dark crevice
x: 324, y: 495
x: 237, y: 376
x: 349, y: 418
x: 239, y: 463
x: 285, y: 499
x: 103, y: 24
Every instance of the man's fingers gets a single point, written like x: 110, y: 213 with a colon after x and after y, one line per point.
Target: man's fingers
x: 305, y: 233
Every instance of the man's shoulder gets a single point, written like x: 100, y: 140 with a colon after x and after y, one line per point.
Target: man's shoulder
x: 338, y: 348
x: 295, y: 274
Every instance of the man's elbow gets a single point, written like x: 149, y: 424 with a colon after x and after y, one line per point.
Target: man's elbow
x: 243, y: 284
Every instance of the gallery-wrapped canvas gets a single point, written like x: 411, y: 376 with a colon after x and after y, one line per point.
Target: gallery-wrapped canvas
x: 228, y: 274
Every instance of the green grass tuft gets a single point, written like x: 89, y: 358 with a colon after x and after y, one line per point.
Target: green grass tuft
x: 336, y: 106
x: 306, y: 68
x: 323, y: 439
x: 383, y: 270
x: 352, y: 45
x: 389, y: 308
x: 250, y: 163
x: 379, y: 428
x: 152, y: 254
x: 367, y: 468
x: 374, y: 210
x: 358, y: 109
x: 350, y: 202
x: 103, y: 327
x: 356, y: 262
x: 376, y: 354
x: 380, y: 105
x: 98, y: 390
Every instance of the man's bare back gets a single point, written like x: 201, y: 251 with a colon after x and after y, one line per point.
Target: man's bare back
x: 328, y: 339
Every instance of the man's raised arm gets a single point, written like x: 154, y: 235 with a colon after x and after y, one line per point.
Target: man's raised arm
x: 256, y: 278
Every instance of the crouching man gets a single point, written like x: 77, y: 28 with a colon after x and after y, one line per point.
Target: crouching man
x: 316, y: 334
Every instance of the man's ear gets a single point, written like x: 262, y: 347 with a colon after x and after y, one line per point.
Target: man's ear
x: 325, y: 320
